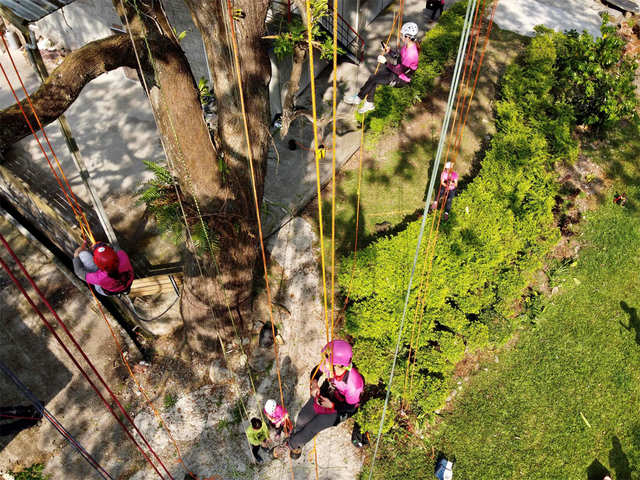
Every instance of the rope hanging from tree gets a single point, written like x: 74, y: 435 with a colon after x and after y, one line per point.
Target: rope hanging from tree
x: 82, y: 353
x: 11, y: 375
x: 456, y: 77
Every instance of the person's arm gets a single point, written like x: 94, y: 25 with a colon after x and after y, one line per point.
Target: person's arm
x: 79, y: 269
x: 314, y: 387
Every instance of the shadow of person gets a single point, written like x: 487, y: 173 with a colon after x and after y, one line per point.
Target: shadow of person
x: 634, y: 321
x: 596, y: 471
x: 619, y: 461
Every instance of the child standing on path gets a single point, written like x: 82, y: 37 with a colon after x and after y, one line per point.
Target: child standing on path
x: 278, y: 417
x: 258, y: 435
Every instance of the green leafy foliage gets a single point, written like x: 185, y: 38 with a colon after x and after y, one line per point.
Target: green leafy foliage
x: 160, y: 196
x: 437, y: 48
x: 206, y: 95
x: 169, y: 400
x: 500, y: 229
x: 34, y: 472
x: 595, y: 77
x: 295, y: 34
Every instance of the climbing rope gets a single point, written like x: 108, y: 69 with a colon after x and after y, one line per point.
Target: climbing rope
x: 82, y: 353
x: 333, y: 165
x: 359, y: 188
x: 462, y: 46
x: 72, y: 200
x: 316, y: 147
x: 436, y: 220
x: 469, y: 95
x: 53, y: 420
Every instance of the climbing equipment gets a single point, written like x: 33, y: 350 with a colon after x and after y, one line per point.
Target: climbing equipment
x: 339, y: 352
x: 105, y: 257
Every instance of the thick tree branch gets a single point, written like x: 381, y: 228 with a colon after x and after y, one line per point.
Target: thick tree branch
x: 66, y: 82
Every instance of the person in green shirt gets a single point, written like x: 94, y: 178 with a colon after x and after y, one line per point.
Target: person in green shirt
x: 258, y: 435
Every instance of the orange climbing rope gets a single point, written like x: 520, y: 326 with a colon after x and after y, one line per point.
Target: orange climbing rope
x: 85, y: 228
x: 418, y: 312
x: 466, y: 102
x: 312, y: 77
x: 358, y: 190
x: 234, y: 43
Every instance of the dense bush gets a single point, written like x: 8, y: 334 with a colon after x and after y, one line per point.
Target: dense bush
x: 437, y: 48
x: 499, y: 231
x: 595, y: 77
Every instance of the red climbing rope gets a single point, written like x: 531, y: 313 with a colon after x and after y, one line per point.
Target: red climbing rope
x: 73, y: 202
x: 82, y: 353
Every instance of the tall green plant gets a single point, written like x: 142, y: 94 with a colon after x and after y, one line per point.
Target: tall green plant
x: 160, y: 195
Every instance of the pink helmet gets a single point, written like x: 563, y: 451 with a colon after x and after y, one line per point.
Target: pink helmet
x: 342, y: 352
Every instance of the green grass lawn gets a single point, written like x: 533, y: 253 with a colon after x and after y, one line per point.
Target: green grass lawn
x: 393, y: 188
x: 522, y: 418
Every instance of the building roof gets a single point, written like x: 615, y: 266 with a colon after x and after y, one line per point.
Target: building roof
x: 33, y: 10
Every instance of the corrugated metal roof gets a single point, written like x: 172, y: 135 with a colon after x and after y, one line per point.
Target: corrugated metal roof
x: 32, y: 10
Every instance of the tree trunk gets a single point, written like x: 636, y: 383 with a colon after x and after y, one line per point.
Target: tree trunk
x: 292, y: 87
x: 238, y: 234
x: 224, y: 195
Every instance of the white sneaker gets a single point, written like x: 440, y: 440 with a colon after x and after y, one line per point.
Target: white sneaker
x: 353, y: 100
x: 368, y: 106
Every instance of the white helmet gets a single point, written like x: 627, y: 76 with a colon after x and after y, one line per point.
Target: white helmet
x: 409, y: 29
x: 270, y: 407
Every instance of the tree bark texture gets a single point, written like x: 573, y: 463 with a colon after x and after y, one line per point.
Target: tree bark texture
x: 66, y: 82
x: 231, y: 283
x: 175, y: 100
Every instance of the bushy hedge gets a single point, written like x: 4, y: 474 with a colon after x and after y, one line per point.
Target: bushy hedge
x: 499, y: 230
x: 437, y: 48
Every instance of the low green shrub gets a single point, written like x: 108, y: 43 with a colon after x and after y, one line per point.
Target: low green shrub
x: 595, y: 77
x: 34, y: 472
x: 499, y: 231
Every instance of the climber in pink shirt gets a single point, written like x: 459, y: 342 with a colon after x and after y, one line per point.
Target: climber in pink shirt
x: 108, y: 269
x: 278, y: 418
x: 448, y: 188
x: 394, y: 75
x: 332, y: 402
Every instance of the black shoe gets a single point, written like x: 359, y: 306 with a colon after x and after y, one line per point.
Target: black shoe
x: 295, y: 453
x: 259, y: 459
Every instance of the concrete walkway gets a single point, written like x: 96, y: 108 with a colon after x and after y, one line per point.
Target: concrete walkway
x: 522, y: 16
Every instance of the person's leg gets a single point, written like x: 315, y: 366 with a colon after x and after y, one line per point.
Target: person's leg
x: 383, y: 77
x: 447, y: 207
x: 306, y: 414
x: 311, y: 429
x: 255, y: 449
x: 366, y: 88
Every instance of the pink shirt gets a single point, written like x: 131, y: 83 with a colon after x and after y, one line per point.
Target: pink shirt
x: 451, y: 176
x: 110, y: 284
x: 409, y: 57
x: 278, y: 416
x: 351, y: 390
